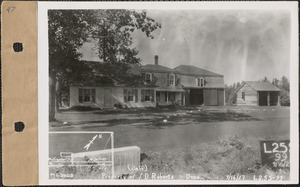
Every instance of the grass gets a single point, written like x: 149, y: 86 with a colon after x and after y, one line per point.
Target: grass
x: 151, y: 119
x: 212, y: 161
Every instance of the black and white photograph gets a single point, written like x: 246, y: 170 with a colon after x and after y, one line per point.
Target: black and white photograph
x: 154, y: 93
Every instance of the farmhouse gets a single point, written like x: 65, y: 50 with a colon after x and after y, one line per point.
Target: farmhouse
x: 258, y: 93
x: 183, y: 85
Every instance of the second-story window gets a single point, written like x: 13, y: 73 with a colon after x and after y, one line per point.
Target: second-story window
x: 148, y: 78
x: 171, y: 80
x: 200, y: 82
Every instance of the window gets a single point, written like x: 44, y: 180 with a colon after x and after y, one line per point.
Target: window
x: 157, y: 96
x: 171, y: 80
x: 87, y: 95
x: 148, y: 78
x: 243, y: 96
x: 130, y: 95
x: 200, y: 82
x: 170, y: 96
x: 147, y: 95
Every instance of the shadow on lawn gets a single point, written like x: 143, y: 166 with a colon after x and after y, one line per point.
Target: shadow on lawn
x: 179, y: 119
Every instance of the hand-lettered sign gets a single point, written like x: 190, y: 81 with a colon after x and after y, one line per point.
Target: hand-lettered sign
x: 275, y: 154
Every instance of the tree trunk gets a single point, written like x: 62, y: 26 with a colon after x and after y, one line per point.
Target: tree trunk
x: 57, y: 96
x: 52, y: 85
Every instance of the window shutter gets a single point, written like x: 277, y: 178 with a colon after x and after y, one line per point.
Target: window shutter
x: 154, y: 79
x: 168, y: 79
x: 93, y: 95
x: 143, y: 95
x: 166, y: 96
x: 136, y: 95
x: 125, y: 95
x: 80, y: 95
x: 177, y: 79
x: 144, y: 77
x: 152, y: 95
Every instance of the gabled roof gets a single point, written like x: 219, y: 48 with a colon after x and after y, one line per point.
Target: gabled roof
x: 156, y: 68
x: 260, y: 86
x: 193, y: 70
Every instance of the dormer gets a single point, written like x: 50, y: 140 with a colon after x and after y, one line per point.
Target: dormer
x: 200, y: 82
x: 171, y: 79
x: 148, y: 78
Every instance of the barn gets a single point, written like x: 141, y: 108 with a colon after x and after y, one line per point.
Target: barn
x: 258, y: 93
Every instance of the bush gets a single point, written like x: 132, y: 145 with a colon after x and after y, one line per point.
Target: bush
x: 232, y: 99
x: 210, y: 161
x: 120, y: 105
x: 84, y: 108
x: 285, y: 99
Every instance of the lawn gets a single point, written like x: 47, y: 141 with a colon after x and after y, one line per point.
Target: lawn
x: 207, y: 142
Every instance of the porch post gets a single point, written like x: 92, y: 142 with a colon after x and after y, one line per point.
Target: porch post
x: 278, y: 101
x: 167, y: 97
x: 224, y: 98
x: 268, y: 99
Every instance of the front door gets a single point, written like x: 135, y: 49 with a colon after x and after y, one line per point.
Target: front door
x: 107, y: 97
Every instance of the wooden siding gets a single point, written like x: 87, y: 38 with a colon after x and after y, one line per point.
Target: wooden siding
x: 115, y: 95
x: 221, y: 97
x: 251, y: 96
x: 214, y: 97
x: 210, y: 97
x: 187, y: 97
x: 190, y: 81
x: 274, y: 97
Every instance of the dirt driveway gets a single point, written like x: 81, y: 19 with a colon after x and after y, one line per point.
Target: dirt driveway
x: 153, y: 129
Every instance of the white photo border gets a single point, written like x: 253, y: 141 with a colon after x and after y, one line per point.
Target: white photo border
x: 43, y: 89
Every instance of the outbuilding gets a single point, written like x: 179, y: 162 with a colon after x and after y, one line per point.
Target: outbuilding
x: 258, y: 93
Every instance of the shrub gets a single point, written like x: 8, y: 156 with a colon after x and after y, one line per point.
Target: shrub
x: 211, y: 161
x: 84, y: 108
x: 285, y: 99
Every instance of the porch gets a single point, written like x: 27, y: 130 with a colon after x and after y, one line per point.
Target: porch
x: 167, y: 98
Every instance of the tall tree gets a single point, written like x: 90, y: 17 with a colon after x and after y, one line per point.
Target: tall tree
x: 113, y: 31
x: 69, y: 29
x: 264, y: 79
x: 284, y: 84
x: 275, y: 82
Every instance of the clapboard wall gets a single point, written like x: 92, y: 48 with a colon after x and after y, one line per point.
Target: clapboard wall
x: 251, y: 97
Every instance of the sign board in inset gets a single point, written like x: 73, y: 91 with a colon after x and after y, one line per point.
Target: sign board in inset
x: 275, y: 154
x: 72, y: 155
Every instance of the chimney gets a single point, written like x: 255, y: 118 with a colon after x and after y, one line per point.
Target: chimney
x: 156, y: 59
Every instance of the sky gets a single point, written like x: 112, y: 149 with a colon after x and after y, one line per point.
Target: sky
x: 239, y: 44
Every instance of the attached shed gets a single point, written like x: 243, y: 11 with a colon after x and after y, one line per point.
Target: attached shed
x: 258, y: 93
